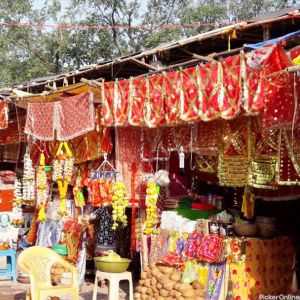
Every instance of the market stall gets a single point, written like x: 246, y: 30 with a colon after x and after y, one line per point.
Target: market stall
x: 164, y: 170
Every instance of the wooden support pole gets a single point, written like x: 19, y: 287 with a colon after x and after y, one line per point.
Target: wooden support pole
x: 50, y: 87
x: 200, y: 57
x: 144, y: 64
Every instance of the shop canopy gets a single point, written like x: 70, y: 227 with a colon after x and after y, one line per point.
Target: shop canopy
x: 200, y: 78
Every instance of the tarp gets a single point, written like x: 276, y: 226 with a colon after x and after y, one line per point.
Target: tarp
x: 273, y: 41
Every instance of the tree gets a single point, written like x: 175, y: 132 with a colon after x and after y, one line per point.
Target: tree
x: 30, y: 52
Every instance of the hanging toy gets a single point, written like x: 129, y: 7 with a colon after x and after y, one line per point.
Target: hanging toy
x: 42, y: 189
x: 63, y: 167
x: 151, y: 208
x: 119, y: 204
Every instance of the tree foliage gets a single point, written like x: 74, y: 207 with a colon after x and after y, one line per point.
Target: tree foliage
x: 30, y: 52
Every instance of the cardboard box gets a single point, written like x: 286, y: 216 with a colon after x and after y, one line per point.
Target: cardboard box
x: 203, y: 226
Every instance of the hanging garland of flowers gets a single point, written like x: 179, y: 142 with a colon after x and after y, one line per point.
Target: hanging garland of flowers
x: 151, y: 208
x: 119, y: 204
x: 17, y: 219
x: 24, y: 191
x: 42, y: 189
x: 28, y: 182
x: 63, y: 167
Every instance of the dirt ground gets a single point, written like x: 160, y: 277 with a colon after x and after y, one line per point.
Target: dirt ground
x: 9, y: 291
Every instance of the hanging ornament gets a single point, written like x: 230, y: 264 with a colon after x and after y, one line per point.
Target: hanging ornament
x: 28, y: 180
x: 119, y: 204
x: 42, y: 213
x: 151, y: 208
x: 42, y: 189
x: 17, y: 192
x: 63, y: 167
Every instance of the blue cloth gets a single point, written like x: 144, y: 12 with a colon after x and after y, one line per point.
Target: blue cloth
x: 273, y: 41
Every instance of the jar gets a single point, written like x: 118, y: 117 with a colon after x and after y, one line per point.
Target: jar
x: 226, y: 228
x: 214, y: 228
x: 222, y: 229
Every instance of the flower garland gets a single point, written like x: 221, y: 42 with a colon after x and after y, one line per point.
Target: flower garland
x: 119, y: 204
x: 151, y: 210
x: 42, y: 189
x: 63, y: 167
x: 24, y: 191
x: 28, y: 182
x: 17, y: 219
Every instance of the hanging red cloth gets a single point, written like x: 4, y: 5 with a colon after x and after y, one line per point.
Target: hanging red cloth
x: 172, y: 88
x: 189, y: 97
x: 121, y: 102
x: 107, y: 96
x: 155, y: 110
x: 137, y: 99
x: 3, y: 114
x: 209, y: 90
x: 230, y: 93
x: 281, y: 91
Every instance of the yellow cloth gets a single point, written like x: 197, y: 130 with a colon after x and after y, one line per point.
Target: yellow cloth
x: 268, y: 269
x: 248, y: 204
x: 202, y: 270
x: 296, y: 60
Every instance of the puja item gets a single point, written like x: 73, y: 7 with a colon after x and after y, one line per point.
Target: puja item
x: 24, y: 188
x: 164, y: 282
x: 28, y: 180
x: 119, y: 204
x: 214, y: 228
x: 234, y: 249
x: 215, y: 281
x: 203, y: 226
x: 72, y: 236
x: 248, y: 204
x: 42, y: 189
x: 62, y: 173
x: 151, y: 210
x: 225, y: 228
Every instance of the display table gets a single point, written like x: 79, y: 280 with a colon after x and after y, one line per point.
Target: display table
x: 268, y: 268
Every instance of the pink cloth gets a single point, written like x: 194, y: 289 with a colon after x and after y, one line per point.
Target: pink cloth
x: 70, y: 117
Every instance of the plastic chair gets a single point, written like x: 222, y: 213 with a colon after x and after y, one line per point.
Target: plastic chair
x: 10, y: 270
x: 37, y: 262
x: 114, y: 282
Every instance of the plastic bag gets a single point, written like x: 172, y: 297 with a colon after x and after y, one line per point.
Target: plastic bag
x: 190, y: 273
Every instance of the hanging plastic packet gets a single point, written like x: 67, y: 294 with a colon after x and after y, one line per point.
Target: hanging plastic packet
x: 190, y: 273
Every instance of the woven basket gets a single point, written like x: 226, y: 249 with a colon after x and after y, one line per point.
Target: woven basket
x: 246, y: 229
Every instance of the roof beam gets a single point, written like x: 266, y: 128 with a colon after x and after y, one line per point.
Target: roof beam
x: 141, y: 63
x: 194, y: 55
